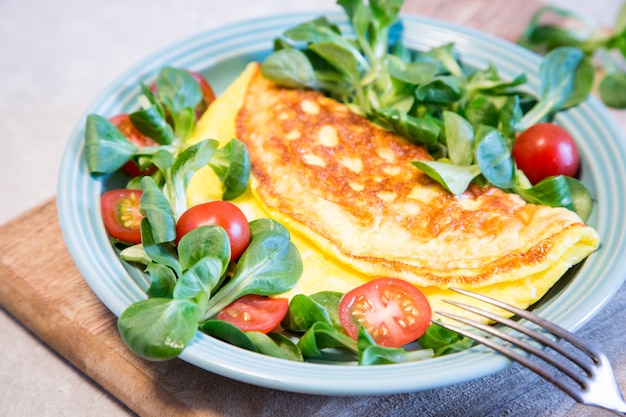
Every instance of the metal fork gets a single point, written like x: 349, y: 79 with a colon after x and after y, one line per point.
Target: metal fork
x: 586, y: 375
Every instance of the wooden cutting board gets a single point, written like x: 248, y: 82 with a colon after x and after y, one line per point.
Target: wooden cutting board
x: 41, y: 287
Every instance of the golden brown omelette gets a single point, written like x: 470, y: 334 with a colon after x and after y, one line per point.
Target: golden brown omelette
x: 346, y: 188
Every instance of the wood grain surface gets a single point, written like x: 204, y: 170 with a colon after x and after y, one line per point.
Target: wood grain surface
x: 41, y: 287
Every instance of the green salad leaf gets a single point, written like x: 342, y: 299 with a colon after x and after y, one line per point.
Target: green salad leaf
x: 443, y: 341
x: 162, y: 281
x: 157, y: 210
x: 321, y: 336
x: 270, y: 265
x: 567, y: 77
x: 272, y: 344
x: 372, y: 354
x: 186, y: 164
x: 152, y: 120
x: 554, y: 27
x: 106, y: 148
x: 231, y: 163
x: 158, y: 329
x: 180, y: 93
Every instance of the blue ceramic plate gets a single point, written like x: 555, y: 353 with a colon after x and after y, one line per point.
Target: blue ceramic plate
x: 220, y: 55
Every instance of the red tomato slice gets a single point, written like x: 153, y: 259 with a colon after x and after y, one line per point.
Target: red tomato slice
x: 546, y: 150
x: 221, y: 213
x: 255, y: 313
x: 121, y: 215
x: 123, y: 123
x: 393, y: 311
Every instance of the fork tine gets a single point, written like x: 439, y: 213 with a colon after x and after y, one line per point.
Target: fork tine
x: 548, y: 325
x: 541, y: 338
x: 546, y: 373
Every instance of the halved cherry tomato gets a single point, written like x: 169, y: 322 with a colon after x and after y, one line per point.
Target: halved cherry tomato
x: 121, y: 215
x: 221, y: 213
x: 546, y: 150
x: 393, y: 311
x: 123, y: 123
x: 255, y: 313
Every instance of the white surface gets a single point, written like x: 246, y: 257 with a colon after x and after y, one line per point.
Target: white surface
x: 55, y: 57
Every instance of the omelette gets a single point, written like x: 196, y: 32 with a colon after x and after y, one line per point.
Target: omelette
x: 357, y: 209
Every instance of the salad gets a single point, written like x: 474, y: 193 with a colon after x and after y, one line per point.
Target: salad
x: 211, y: 269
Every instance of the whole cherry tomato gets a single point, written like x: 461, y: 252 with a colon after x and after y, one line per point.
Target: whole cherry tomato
x: 546, y: 150
x: 221, y: 213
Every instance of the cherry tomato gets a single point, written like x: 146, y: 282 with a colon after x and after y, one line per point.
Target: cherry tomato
x: 121, y: 215
x: 393, y: 311
x: 123, y: 123
x: 545, y: 150
x: 221, y: 213
x: 255, y: 313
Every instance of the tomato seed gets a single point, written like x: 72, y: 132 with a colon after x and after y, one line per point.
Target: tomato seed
x: 125, y: 212
x: 410, y: 309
